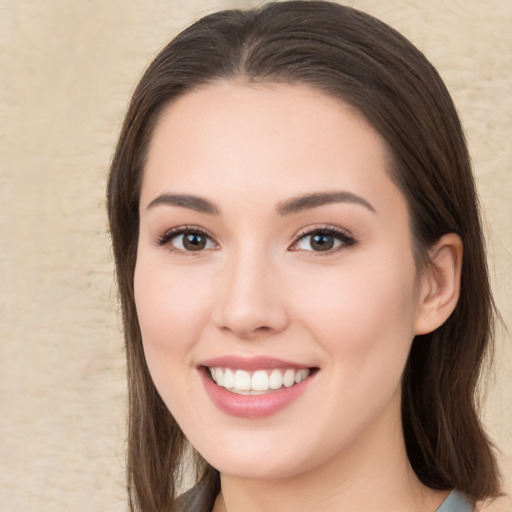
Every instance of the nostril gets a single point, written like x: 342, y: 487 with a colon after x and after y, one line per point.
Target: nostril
x: 263, y: 329
x: 246, y: 332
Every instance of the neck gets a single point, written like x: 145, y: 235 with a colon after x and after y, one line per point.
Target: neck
x: 372, y: 474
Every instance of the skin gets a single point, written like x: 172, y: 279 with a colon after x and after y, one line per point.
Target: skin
x: 258, y: 289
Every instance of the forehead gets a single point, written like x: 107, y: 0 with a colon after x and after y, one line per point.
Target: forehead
x: 270, y: 140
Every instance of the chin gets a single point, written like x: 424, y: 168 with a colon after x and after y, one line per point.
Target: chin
x: 249, y: 469
x: 252, y: 459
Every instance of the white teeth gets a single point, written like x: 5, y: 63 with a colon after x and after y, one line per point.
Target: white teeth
x: 276, y: 379
x: 301, y: 375
x: 289, y: 378
x: 229, y: 379
x: 242, y: 380
x: 261, y: 381
x: 219, y: 376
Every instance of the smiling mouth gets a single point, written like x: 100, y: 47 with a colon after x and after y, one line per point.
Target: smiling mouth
x: 259, y: 382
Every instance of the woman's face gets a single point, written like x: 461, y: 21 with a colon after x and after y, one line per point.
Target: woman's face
x: 274, y: 253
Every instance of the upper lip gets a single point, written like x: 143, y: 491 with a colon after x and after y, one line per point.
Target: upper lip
x: 251, y: 363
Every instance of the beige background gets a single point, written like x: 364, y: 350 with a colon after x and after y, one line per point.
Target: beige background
x: 67, y: 68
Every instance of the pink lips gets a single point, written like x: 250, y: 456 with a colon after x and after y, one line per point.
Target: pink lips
x: 250, y: 364
x: 250, y: 406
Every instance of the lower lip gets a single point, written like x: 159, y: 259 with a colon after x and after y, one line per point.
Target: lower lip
x: 252, y: 406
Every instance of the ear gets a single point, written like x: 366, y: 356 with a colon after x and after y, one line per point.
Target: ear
x: 440, y: 284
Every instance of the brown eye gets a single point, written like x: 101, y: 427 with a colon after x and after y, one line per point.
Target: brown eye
x: 321, y: 242
x: 187, y: 240
x: 194, y: 241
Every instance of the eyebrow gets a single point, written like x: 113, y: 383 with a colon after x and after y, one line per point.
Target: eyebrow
x: 308, y: 201
x: 288, y: 207
x: 195, y: 203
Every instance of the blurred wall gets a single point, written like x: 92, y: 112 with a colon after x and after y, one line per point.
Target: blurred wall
x: 67, y: 68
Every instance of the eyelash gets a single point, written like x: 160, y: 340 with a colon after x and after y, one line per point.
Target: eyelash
x: 342, y: 236
x: 167, y: 237
x: 345, y: 240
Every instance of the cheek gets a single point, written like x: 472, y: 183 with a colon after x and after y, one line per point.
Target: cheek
x: 364, y: 320
x: 365, y: 310
x: 170, y: 305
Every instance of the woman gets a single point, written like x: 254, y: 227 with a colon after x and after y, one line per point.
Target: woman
x: 302, y: 273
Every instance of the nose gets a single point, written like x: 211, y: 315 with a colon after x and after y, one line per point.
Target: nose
x: 251, y: 303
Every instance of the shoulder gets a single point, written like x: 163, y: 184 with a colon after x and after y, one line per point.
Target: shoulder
x: 501, y: 504
x: 197, y: 499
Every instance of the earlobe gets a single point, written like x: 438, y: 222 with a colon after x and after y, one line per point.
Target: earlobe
x: 440, y: 286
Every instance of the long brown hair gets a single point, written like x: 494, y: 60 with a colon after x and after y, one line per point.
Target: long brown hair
x: 366, y: 64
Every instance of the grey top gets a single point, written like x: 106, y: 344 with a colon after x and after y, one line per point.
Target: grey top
x: 456, y: 502
x: 194, y: 501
